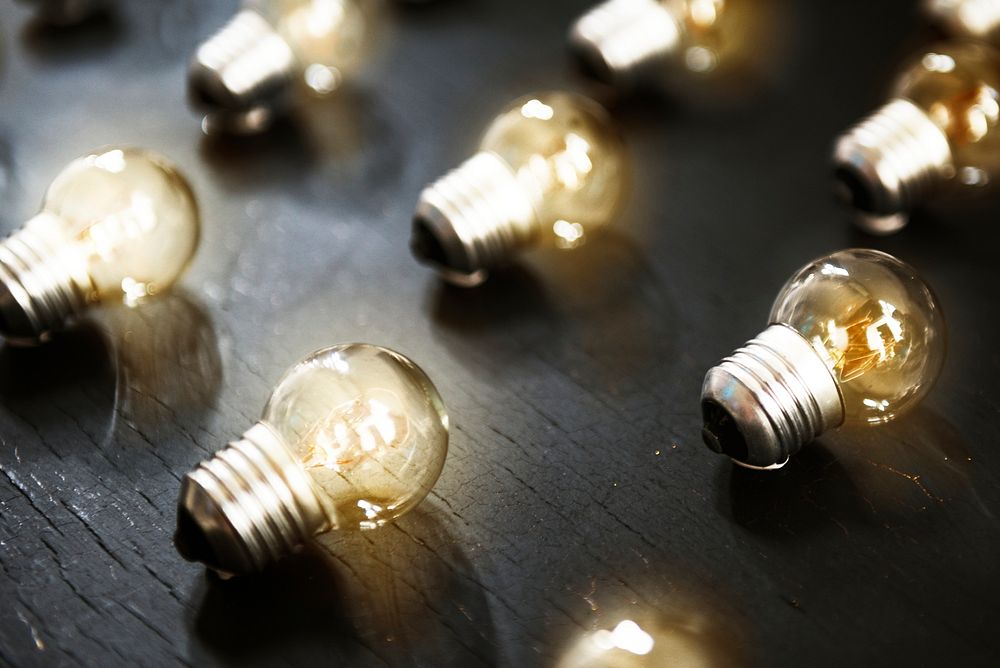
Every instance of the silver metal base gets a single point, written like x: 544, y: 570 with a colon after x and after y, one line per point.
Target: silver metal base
x: 245, y: 67
x: 37, y: 292
x: 623, y: 42
x: 247, y: 506
x: 768, y: 399
x: 473, y: 219
x: 978, y: 19
x: 890, y: 161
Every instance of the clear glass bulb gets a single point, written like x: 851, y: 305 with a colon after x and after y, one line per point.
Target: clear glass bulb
x: 120, y: 223
x: 326, y: 36
x: 627, y: 42
x: 941, y: 123
x: 369, y: 428
x: 568, y: 156
x: 876, y: 325
x: 352, y: 437
x: 551, y: 169
x: 976, y: 19
x: 244, y: 74
x: 958, y: 86
x: 854, y: 336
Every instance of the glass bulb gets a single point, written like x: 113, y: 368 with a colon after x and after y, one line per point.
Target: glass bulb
x: 120, y: 223
x: 352, y: 437
x: 628, y: 41
x: 854, y: 336
x: 977, y: 19
x: 243, y: 74
x: 941, y: 123
x: 551, y: 169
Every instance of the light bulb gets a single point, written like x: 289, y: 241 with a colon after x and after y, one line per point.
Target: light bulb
x: 119, y: 223
x: 353, y: 437
x: 625, y: 42
x: 551, y: 168
x: 854, y: 336
x: 244, y: 73
x: 976, y: 19
x: 940, y: 126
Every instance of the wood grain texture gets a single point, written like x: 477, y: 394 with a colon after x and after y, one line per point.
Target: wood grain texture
x: 577, y: 492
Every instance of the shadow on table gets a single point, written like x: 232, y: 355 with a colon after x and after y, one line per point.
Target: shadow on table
x: 346, y: 139
x: 878, y: 477
x: 77, y: 356
x: 402, y: 595
x: 69, y: 41
x: 598, y: 312
x: 168, y: 359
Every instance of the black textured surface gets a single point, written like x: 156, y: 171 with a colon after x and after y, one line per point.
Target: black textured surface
x: 577, y: 492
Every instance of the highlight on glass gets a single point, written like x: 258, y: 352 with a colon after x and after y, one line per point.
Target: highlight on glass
x: 938, y: 130
x: 855, y: 336
x: 353, y: 437
x: 551, y: 169
x: 118, y: 223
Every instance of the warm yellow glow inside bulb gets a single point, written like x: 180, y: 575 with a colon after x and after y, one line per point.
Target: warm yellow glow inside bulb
x: 123, y: 222
x: 568, y: 159
x: 369, y: 428
x: 958, y: 87
x: 875, y: 324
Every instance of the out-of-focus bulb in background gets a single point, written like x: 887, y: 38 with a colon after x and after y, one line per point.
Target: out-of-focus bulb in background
x: 975, y: 19
x: 353, y: 437
x: 626, y: 42
x: 119, y: 223
x: 939, y: 127
x: 244, y: 74
x: 551, y: 169
x: 854, y: 336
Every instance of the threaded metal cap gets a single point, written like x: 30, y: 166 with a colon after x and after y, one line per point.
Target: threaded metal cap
x: 622, y: 42
x: 472, y: 220
x: 769, y: 398
x: 889, y: 162
x: 247, y: 506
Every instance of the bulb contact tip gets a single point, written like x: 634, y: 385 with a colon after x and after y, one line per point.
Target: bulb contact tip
x: 889, y: 162
x: 472, y: 220
x: 247, y: 506
x: 621, y: 42
x: 764, y: 402
x: 244, y: 68
x: 37, y: 293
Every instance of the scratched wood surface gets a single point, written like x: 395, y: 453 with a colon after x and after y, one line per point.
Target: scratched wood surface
x: 577, y: 493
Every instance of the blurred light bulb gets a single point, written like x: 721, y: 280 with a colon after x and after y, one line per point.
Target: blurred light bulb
x: 245, y: 72
x: 854, y: 336
x: 551, y: 168
x: 625, y: 42
x: 120, y: 223
x: 940, y: 126
x: 352, y: 437
x: 976, y: 19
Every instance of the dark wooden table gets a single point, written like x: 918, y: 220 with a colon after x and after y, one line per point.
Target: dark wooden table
x: 577, y: 492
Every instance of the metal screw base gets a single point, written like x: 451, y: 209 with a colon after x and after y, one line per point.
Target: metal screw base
x: 247, y: 506
x: 473, y: 219
x: 37, y: 291
x: 768, y: 399
x: 623, y: 41
x: 890, y: 161
x: 244, y: 67
x: 970, y: 18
